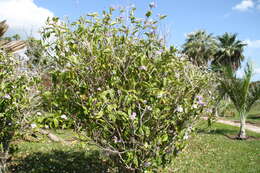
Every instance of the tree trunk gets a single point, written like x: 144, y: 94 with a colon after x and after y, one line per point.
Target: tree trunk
x: 242, y: 132
x: 3, y: 158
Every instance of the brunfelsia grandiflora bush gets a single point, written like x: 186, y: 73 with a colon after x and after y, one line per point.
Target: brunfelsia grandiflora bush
x: 13, y: 101
x: 130, y: 93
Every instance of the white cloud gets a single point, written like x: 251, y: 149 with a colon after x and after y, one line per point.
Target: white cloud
x: 23, y: 16
x: 253, y: 43
x: 244, y: 5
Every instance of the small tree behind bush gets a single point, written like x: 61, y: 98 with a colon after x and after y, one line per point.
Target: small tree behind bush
x: 130, y: 93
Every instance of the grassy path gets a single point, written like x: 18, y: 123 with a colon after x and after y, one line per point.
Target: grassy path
x: 232, y: 123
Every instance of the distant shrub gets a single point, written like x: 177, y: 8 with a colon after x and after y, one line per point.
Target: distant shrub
x: 131, y: 94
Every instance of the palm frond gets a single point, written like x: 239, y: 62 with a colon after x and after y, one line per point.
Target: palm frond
x: 253, y: 95
x: 242, y: 93
x: 3, y: 28
x: 229, y: 51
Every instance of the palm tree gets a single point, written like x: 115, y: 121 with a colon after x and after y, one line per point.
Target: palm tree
x: 229, y: 51
x: 200, y: 47
x: 242, y: 93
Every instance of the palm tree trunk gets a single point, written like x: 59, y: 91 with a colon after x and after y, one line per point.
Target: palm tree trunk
x: 242, y: 132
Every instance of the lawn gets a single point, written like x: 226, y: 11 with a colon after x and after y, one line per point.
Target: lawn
x: 209, y: 151
x: 212, y: 151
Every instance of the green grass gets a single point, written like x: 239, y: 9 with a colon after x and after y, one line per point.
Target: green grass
x: 209, y: 151
x: 214, y: 152
x: 46, y: 156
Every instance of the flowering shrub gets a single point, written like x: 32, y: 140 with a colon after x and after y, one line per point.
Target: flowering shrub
x: 13, y: 100
x: 131, y: 94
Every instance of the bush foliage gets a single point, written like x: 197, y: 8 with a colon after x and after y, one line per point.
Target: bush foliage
x: 13, y: 103
x: 136, y: 98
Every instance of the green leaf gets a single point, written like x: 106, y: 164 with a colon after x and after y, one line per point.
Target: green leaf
x: 99, y: 114
x: 111, y: 107
x: 164, y: 138
x: 56, y: 123
x: 135, y: 161
x: 148, y: 13
x: 162, y: 16
x: 112, y: 117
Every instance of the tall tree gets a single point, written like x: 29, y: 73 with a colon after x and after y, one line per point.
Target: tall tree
x: 200, y: 47
x: 242, y: 93
x: 229, y: 51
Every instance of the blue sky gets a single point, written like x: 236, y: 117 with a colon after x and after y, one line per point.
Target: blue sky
x: 184, y: 16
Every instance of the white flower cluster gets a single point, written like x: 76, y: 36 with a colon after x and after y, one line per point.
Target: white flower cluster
x: 64, y: 117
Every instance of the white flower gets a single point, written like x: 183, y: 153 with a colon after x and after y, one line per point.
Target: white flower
x: 160, y: 95
x: 133, y: 116
x: 182, y: 58
x: 9, y: 124
x: 7, y: 96
x: 39, y: 113
x: 158, y: 52
x: 99, y: 89
x: 64, y: 117
x: 33, y: 126
x: 209, y: 110
x: 149, y: 108
x: 63, y: 70
x: 142, y: 68
x: 186, y: 136
x: 146, y: 164
x: 179, y: 109
x: 68, y: 65
x: 115, y: 139
x: 194, y: 106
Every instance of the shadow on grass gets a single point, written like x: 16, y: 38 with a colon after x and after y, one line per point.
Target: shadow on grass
x: 254, y: 117
x: 60, y: 162
x: 227, y: 132
x: 218, y: 131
